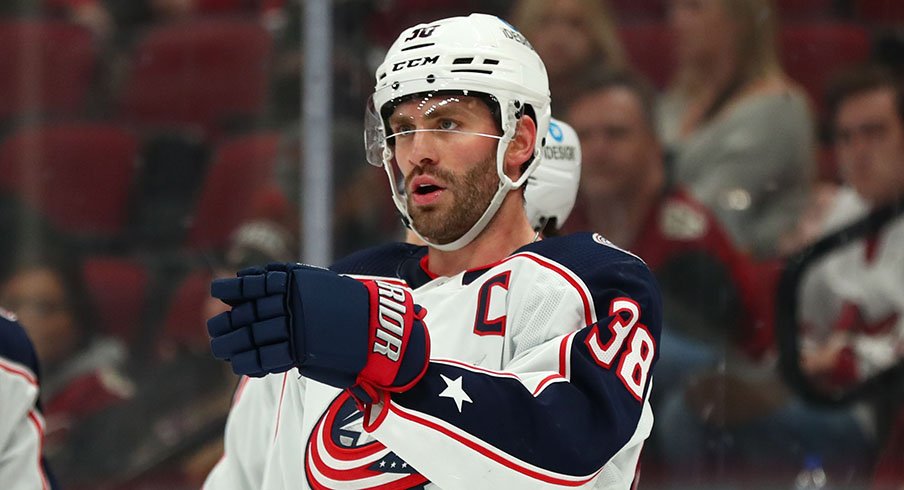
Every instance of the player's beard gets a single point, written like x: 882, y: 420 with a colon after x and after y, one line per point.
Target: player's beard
x: 471, y: 196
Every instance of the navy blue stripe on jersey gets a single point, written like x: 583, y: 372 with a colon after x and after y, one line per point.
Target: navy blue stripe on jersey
x: 400, y: 260
x: 15, y: 346
x: 557, y: 431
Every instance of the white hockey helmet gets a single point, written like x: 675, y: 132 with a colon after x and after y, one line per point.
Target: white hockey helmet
x: 552, y: 188
x: 478, y: 55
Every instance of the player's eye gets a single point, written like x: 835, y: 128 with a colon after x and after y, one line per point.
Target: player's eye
x: 402, y: 129
x: 448, y: 124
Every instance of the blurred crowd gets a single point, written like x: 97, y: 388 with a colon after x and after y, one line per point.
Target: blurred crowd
x: 721, y: 140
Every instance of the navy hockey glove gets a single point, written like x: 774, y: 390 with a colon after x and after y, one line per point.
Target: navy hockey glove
x: 336, y: 330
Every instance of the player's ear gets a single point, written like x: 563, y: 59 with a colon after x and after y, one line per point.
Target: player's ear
x: 521, y: 148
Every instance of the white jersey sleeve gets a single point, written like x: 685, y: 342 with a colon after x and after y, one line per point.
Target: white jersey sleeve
x: 21, y: 424
x: 250, y: 427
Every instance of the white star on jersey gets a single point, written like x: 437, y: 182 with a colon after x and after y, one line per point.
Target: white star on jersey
x: 455, y: 391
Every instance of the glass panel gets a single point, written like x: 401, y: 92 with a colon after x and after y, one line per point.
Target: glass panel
x: 741, y: 148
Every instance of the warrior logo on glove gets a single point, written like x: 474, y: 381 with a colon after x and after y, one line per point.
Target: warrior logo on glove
x: 392, y: 321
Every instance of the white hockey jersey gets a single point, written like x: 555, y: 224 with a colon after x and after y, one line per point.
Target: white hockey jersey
x: 21, y: 424
x: 539, y: 377
x: 857, y: 290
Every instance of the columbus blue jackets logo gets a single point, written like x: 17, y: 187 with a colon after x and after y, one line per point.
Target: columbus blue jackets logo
x: 340, y: 454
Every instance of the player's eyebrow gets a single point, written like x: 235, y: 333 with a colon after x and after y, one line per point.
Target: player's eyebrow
x: 450, y: 106
x: 435, y: 109
x: 396, y: 119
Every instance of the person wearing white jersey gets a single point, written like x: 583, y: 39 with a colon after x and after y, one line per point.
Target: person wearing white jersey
x: 851, y: 301
x: 22, y: 464
x: 485, y: 358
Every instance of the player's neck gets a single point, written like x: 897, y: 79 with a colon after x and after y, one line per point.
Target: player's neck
x: 508, y: 231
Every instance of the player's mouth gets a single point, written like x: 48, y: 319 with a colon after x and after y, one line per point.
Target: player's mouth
x: 425, y: 190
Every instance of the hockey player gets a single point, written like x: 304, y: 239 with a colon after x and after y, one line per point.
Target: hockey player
x: 552, y: 188
x: 22, y: 465
x: 485, y: 359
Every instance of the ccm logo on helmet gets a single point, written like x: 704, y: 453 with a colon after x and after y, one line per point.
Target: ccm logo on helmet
x: 392, y: 321
x: 426, y: 60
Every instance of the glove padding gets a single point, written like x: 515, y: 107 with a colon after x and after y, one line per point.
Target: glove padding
x: 334, y: 329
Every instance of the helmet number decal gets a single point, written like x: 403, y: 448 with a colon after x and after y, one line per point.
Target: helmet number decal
x: 421, y: 32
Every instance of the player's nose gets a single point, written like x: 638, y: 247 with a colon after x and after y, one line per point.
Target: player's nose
x: 424, y: 150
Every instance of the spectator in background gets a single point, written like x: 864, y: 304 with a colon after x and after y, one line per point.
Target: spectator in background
x: 627, y: 195
x: 710, y: 303
x: 851, y: 303
x: 718, y: 383
x: 853, y: 298
x: 81, y: 367
x: 849, y: 308
x: 740, y: 132
x: 572, y: 37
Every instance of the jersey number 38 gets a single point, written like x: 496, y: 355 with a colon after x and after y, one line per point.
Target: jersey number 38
x: 625, y: 330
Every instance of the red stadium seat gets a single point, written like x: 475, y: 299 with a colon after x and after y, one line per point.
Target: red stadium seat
x: 46, y: 67
x: 648, y: 47
x: 800, y: 10
x: 118, y: 287
x: 880, y: 12
x: 78, y: 175
x: 183, y: 325
x: 241, y: 169
x: 236, y: 6
x: 812, y: 53
x: 206, y: 73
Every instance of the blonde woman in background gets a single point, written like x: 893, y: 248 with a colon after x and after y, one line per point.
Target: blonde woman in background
x: 740, y: 132
x: 573, y: 38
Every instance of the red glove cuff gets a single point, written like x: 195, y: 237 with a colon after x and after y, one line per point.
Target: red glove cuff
x: 396, y: 330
